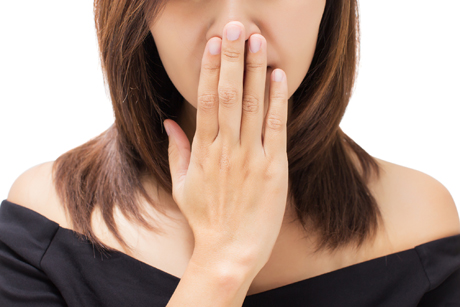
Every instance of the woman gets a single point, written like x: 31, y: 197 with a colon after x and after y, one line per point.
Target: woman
x: 304, y: 215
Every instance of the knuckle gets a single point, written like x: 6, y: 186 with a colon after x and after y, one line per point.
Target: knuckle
x: 210, y: 67
x: 275, y: 122
x: 270, y: 174
x: 273, y: 170
x: 228, y: 96
x: 251, y: 103
x: 255, y: 66
x: 207, y: 101
x: 224, y: 163
x: 231, y: 55
x: 246, y: 159
x: 258, y: 168
x: 277, y: 95
x: 200, y: 154
x: 200, y: 163
x: 247, y: 162
x: 246, y: 173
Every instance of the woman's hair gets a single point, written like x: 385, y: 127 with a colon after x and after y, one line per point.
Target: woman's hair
x: 329, y: 191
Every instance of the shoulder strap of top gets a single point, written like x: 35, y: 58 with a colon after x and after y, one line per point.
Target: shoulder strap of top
x: 25, y: 231
x: 440, y: 258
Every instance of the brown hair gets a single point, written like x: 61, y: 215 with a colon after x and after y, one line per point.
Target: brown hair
x: 328, y: 190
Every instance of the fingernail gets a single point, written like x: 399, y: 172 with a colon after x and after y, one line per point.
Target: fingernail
x: 278, y: 76
x: 214, y: 47
x: 233, y: 32
x: 254, y: 44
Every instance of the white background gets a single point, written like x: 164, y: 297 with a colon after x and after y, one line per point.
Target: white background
x: 405, y: 108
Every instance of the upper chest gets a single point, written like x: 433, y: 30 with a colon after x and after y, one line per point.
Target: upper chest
x: 292, y: 258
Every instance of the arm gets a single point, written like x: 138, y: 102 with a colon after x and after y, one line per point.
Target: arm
x: 22, y: 280
x: 206, y: 283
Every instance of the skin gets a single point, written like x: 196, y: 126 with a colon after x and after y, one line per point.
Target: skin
x: 181, y: 32
x: 416, y: 207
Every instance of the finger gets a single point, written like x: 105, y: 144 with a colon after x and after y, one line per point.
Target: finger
x: 207, y: 125
x: 178, y: 153
x: 274, y: 141
x: 254, y: 92
x: 231, y: 82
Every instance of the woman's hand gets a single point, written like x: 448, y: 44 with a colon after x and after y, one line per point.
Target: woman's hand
x: 232, y: 187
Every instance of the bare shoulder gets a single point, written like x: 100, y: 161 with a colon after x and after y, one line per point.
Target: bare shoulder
x: 34, y: 189
x: 417, y: 208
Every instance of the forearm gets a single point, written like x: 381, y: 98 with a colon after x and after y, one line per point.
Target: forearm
x: 213, y: 285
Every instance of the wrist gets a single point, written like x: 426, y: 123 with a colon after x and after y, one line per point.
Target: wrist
x: 229, y: 266
x: 211, y: 281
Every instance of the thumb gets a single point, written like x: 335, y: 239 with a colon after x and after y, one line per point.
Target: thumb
x: 178, y: 152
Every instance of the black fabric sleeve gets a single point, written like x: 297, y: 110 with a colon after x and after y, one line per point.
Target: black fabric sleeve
x: 441, y: 262
x: 21, y: 284
x: 24, y: 239
x: 447, y: 294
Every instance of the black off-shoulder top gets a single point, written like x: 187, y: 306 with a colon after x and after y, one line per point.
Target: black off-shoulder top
x: 43, y: 264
